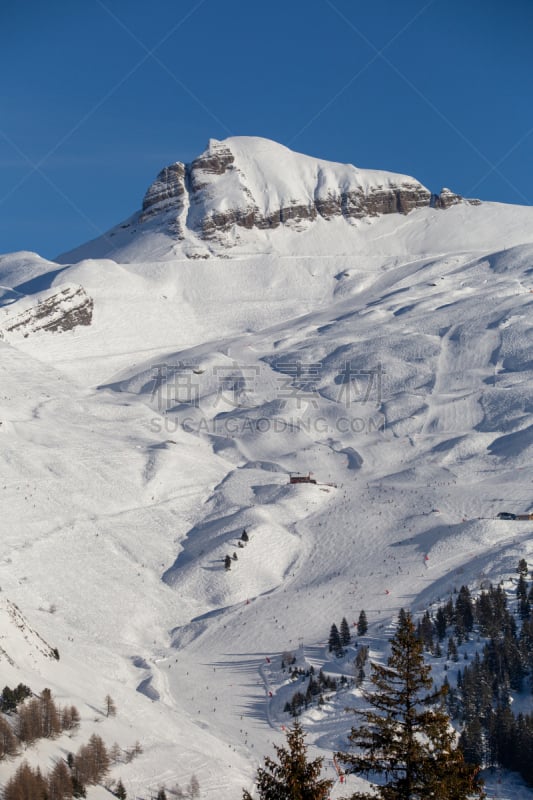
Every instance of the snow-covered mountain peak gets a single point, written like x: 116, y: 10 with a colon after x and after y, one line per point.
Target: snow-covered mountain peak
x: 253, y: 192
x: 255, y: 183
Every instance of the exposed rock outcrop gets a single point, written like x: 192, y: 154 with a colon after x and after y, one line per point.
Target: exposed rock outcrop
x: 245, y: 182
x: 446, y: 198
x: 215, y: 161
x: 64, y: 310
x: 22, y: 646
x: 168, y: 187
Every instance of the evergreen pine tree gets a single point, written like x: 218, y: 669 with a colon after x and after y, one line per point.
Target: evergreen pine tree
x: 464, y: 612
x: 227, y: 562
x: 530, y: 595
x: 440, y: 623
x: 405, y: 735
x: 522, y: 595
x: 522, y: 568
x: 362, y: 624
x: 10, y: 698
x: 471, y: 742
x: 425, y: 631
x: 346, y: 636
x: 293, y: 777
x: 452, y: 649
x: 7, y: 701
x: 526, y: 642
x: 244, y: 536
x: 120, y: 791
x: 334, y: 641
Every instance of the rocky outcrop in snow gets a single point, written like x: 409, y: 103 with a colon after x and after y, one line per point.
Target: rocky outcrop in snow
x: 169, y: 186
x: 19, y: 642
x: 448, y: 198
x: 63, y: 310
x: 255, y: 183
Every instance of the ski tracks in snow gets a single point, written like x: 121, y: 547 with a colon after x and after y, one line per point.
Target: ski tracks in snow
x: 463, y: 365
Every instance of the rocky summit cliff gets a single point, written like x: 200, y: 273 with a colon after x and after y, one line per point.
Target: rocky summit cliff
x: 255, y: 194
x: 255, y: 183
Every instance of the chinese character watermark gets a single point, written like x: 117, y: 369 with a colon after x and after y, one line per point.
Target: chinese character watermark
x: 234, y: 383
x: 360, y: 385
x: 301, y: 382
x: 180, y: 383
x: 175, y: 384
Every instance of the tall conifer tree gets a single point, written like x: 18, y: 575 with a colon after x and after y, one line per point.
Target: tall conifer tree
x: 293, y: 777
x: 334, y: 641
x: 405, y: 735
x: 345, y: 634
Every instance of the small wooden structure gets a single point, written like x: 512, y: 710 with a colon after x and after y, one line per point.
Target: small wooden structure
x: 296, y: 477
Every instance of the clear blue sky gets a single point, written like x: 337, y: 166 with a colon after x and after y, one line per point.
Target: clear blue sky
x: 98, y: 95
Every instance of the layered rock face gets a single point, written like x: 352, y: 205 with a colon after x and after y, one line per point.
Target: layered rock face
x: 447, y: 198
x: 169, y: 185
x: 254, y: 183
x: 63, y: 310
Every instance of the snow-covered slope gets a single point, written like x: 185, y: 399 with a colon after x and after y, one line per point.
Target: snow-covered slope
x: 154, y: 405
